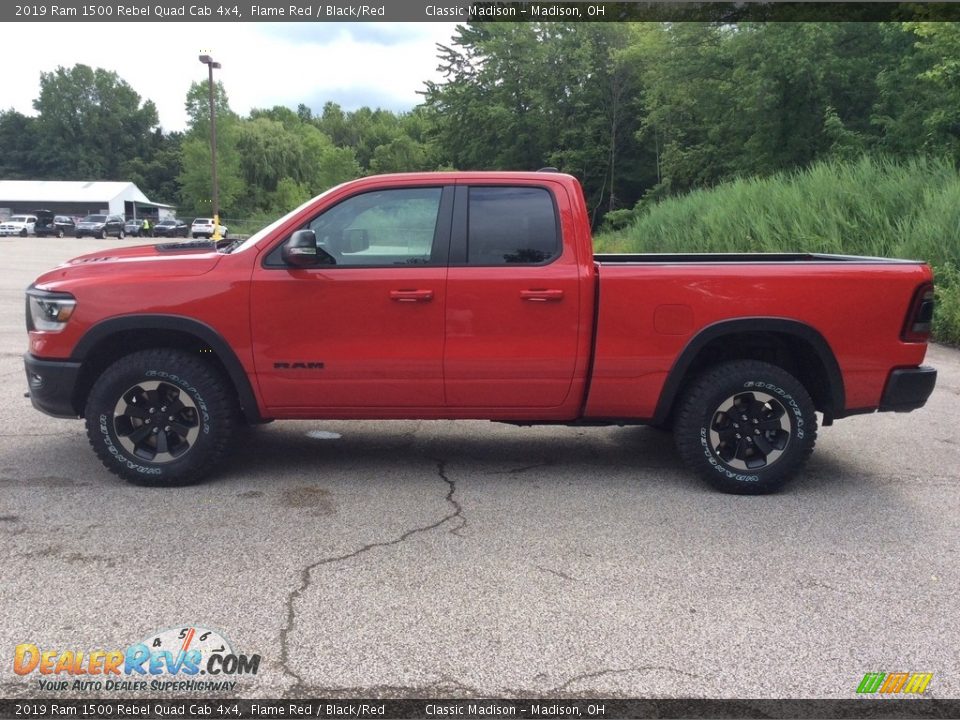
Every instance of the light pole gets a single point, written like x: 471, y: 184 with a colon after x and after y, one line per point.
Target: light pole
x: 209, y: 62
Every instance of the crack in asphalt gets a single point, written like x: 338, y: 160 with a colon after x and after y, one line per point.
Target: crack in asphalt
x: 522, y: 469
x: 449, y: 687
x: 442, y: 687
x: 618, y: 671
x: 58, y: 552
x: 306, y: 572
x: 558, y: 573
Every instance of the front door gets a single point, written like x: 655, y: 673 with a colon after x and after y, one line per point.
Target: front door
x: 365, y: 330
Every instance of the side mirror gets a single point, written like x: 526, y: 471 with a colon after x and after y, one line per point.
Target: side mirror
x: 301, y: 250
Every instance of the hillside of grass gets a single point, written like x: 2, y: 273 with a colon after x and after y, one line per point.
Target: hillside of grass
x: 866, y: 207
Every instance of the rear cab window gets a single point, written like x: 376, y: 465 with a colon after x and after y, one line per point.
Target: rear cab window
x: 509, y: 225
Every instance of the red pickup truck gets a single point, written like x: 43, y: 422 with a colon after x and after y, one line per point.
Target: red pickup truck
x: 470, y: 295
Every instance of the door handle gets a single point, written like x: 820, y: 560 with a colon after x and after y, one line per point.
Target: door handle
x: 411, y: 295
x: 542, y: 295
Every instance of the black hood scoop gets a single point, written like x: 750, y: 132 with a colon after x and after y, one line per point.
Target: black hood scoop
x: 180, y: 246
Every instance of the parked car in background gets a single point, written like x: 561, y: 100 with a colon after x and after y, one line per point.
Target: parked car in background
x: 136, y: 229
x: 21, y: 225
x: 101, y: 226
x: 204, y: 227
x: 48, y: 225
x: 171, y: 227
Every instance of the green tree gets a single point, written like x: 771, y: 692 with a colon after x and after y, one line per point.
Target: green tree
x: 724, y: 101
x: 326, y: 164
x: 18, y: 146
x: 196, y: 184
x: 158, y: 171
x: 89, y: 123
x: 283, y: 157
x: 525, y: 95
x: 938, y: 47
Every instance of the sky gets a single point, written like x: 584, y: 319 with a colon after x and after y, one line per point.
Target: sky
x: 263, y: 64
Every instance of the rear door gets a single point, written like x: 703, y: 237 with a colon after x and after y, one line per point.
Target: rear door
x: 513, y: 302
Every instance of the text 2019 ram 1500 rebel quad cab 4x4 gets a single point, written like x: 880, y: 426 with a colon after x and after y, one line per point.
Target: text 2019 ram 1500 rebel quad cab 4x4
x: 470, y: 295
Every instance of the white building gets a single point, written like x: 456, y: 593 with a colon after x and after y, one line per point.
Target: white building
x: 78, y: 198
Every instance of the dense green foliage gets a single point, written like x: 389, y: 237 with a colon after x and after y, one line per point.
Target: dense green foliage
x: 650, y: 110
x: 863, y: 207
x: 637, y: 111
x: 640, y: 112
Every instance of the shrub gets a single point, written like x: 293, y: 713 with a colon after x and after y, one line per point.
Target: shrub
x: 870, y: 206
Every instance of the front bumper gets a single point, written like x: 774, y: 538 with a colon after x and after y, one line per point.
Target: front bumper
x: 908, y: 388
x: 52, y: 383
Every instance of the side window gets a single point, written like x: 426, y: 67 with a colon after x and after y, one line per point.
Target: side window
x: 511, y: 225
x: 384, y: 227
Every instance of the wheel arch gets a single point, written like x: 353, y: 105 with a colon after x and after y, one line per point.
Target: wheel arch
x: 107, y: 341
x: 792, y: 345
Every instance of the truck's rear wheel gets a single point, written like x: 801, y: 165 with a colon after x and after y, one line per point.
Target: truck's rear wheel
x: 746, y: 427
x: 161, y: 417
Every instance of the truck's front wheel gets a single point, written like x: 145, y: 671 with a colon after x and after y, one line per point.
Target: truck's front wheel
x: 161, y: 417
x: 746, y: 426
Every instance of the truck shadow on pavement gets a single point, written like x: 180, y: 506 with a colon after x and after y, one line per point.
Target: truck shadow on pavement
x: 643, y: 456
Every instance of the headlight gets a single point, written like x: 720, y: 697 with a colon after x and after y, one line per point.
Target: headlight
x: 48, y: 310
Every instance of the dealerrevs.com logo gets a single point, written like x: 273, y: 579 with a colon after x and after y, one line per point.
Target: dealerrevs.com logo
x: 899, y: 683
x: 187, y: 658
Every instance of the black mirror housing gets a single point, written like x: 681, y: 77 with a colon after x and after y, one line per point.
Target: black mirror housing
x: 301, y: 250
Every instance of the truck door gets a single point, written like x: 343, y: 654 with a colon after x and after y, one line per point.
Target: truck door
x: 366, y: 329
x: 513, y: 304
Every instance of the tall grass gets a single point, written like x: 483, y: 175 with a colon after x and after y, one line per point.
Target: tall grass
x: 868, y: 207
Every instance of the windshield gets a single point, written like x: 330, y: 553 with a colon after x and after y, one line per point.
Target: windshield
x: 95, y: 218
x: 168, y: 222
x: 18, y: 218
x: 260, y: 234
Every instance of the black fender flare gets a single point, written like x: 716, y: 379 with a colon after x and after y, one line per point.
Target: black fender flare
x: 178, y: 323
x: 781, y: 326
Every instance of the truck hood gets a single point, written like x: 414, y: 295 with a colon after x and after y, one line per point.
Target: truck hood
x: 184, y: 259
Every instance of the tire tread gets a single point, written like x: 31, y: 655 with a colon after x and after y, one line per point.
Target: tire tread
x: 217, y: 393
x: 693, y: 404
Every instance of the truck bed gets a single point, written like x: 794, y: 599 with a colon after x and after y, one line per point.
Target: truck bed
x: 652, y: 306
x: 745, y: 258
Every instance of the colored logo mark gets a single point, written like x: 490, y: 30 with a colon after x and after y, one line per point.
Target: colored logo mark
x: 893, y: 683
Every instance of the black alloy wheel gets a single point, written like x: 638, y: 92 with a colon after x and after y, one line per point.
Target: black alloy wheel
x: 745, y: 426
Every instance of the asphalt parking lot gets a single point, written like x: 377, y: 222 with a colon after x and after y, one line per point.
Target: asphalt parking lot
x: 431, y: 559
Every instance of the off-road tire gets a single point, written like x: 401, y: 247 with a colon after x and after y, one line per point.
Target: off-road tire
x: 210, y: 411
x: 771, y: 398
